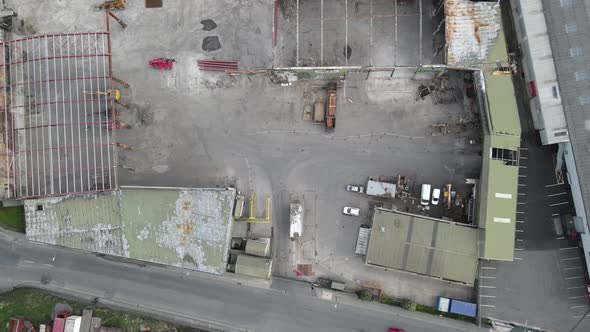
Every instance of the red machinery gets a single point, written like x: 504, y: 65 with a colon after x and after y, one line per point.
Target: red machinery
x: 162, y: 63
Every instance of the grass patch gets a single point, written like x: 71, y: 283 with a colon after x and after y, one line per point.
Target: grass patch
x: 13, y: 218
x: 37, y: 306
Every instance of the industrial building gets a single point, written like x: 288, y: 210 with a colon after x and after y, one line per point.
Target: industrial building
x: 423, y: 245
x: 553, y: 39
x: 183, y: 227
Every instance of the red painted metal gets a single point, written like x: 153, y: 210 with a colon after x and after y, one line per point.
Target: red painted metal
x: 162, y: 63
x: 217, y: 65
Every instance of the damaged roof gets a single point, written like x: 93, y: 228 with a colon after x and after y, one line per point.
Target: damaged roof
x: 471, y: 29
x: 183, y: 227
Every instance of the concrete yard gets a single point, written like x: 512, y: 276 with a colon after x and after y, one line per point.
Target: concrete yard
x: 380, y: 33
x: 202, y: 129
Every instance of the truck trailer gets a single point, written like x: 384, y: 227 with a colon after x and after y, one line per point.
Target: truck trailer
x: 296, y: 220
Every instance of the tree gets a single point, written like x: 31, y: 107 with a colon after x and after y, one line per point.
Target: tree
x: 364, y: 295
x: 409, y: 305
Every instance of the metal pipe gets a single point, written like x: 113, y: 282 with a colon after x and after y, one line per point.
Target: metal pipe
x: 63, y: 101
x: 109, y: 147
x: 92, y: 115
x: 63, y: 147
x: 99, y: 107
x: 52, y: 185
x: 25, y: 116
x: 56, y: 111
x: 85, y: 118
x: 72, y: 137
x: 297, y: 37
x: 13, y: 141
x: 55, y: 34
x: 57, y: 57
x: 78, y: 115
x: 36, y: 116
x: 42, y: 121
x: 63, y: 112
x: 6, y: 118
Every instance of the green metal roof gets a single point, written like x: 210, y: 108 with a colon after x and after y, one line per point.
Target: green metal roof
x: 252, y: 266
x: 423, y: 245
x: 499, y: 181
x: 502, y: 105
x: 183, y: 227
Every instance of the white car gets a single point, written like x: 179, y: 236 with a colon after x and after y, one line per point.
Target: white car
x: 351, y: 211
x: 355, y: 189
x: 435, y: 196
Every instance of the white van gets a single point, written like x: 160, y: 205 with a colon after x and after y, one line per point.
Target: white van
x: 435, y: 196
x: 425, y: 195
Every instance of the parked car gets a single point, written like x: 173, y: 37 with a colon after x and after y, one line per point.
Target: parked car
x: 425, y: 194
x: 435, y: 196
x: 351, y: 211
x: 355, y: 189
x: 393, y: 329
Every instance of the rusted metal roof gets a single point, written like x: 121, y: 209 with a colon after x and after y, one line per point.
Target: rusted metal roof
x: 471, y: 29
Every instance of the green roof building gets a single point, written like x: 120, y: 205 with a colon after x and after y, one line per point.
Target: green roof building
x: 423, y: 245
x: 183, y: 227
x: 253, y: 266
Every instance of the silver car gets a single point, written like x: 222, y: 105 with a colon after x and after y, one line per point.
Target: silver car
x: 351, y: 211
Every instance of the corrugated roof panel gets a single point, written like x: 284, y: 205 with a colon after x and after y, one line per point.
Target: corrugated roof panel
x: 544, y: 72
x: 471, y: 28
x: 423, y: 245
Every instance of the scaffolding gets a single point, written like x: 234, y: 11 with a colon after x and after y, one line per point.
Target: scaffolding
x: 59, y: 140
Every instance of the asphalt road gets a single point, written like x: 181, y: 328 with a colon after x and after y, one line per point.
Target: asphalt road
x: 197, y: 299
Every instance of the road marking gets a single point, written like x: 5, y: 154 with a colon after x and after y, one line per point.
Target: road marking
x: 520, y: 231
x: 556, y: 204
x: 570, y: 278
x: 493, y: 296
x: 555, y: 214
x: 518, y: 249
x: 486, y: 277
x: 569, y: 259
x: 563, y: 193
x: 521, y: 157
x: 518, y: 258
x: 487, y: 305
x: 522, y: 167
x: 521, y: 194
x: 577, y: 306
x: 482, y: 286
x: 522, y: 176
x: 522, y: 185
x: 577, y: 297
x: 526, y: 149
x: 568, y: 248
x: 30, y: 262
x: 560, y: 238
x: 580, y: 316
x: 519, y: 212
x: 572, y: 268
x: 519, y: 240
x: 47, y: 264
x: 553, y: 185
x: 520, y: 221
x: 576, y: 287
x: 488, y: 268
